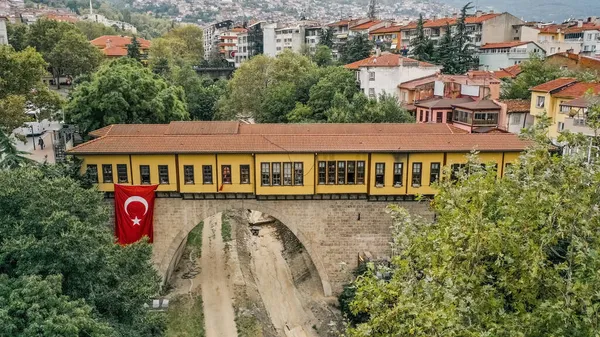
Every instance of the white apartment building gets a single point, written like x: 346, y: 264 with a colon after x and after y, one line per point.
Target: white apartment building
x: 3, y: 34
x: 292, y: 37
x: 384, y: 73
x: 212, y: 33
x: 496, y: 56
x: 312, y: 38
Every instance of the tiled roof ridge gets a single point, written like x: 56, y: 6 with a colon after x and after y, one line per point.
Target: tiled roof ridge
x: 283, y: 134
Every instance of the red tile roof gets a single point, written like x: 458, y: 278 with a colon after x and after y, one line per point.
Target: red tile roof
x: 554, y: 84
x: 385, y: 60
x: 118, y: 41
x: 482, y: 18
x: 581, y: 60
x: 418, y: 82
x: 390, y: 29
x: 578, y: 90
x: 509, y: 72
x: 115, y: 51
x: 62, y: 18
x: 508, y: 44
x: 517, y: 105
x: 366, y: 25
x: 441, y: 22
x: 299, y: 138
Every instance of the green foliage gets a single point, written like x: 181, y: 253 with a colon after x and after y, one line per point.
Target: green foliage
x: 185, y: 44
x: 422, y: 48
x: 347, y: 297
x: 33, y: 306
x: 201, y: 94
x: 225, y: 227
x: 463, y: 46
x: 326, y: 37
x: 74, y: 55
x: 279, y: 100
x: 194, y: 240
x: 333, y: 80
x: 248, y: 325
x: 150, y: 27
x: 133, y: 49
x: 123, y: 91
x: 93, y: 30
x: 534, y: 72
x: 357, y: 48
x: 17, y: 35
x: 10, y: 156
x: 185, y: 317
x: 53, y: 226
x: 516, y: 256
x: 445, y: 53
x: 323, y: 56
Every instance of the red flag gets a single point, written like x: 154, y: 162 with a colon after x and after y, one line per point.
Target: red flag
x: 134, y: 210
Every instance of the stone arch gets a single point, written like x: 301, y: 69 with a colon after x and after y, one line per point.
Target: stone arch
x: 198, y: 210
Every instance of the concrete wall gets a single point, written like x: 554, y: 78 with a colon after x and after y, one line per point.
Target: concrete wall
x: 332, y: 231
x: 3, y: 35
x: 500, y: 29
x: 387, y: 79
x: 269, y: 40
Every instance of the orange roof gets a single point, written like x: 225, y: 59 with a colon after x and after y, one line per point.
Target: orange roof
x: 390, y: 29
x: 554, y: 84
x: 385, y: 60
x: 62, y: 18
x: 517, y: 105
x: 578, y: 90
x: 366, y: 25
x: 118, y: 41
x: 299, y: 138
x: 239, y: 30
x: 441, y: 22
x: 581, y: 60
x: 224, y: 37
x: 509, y: 72
x: 115, y: 51
x: 551, y: 28
x: 508, y: 44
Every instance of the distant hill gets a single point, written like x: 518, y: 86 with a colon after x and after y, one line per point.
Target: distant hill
x: 538, y: 10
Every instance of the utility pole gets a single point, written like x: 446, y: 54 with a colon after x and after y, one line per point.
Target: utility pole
x: 372, y: 9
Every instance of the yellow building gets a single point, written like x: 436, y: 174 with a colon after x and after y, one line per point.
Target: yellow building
x: 286, y: 159
x: 389, y: 35
x: 551, y: 97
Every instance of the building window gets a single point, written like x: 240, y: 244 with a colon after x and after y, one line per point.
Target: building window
x: 372, y: 92
x: 515, y: 119
x: 540, y: 101
x: 565, y: 109
x: 434, y: 173
x: 244, y: 174
x: 341, y: 174
x: 416, y: 174
x: 226, y: 174
x: 351, y: 180
x: 207, y: 174
x: 287, y: 174
x: 360, y: 172
x: 322, y: 172
x: 163, y: 174
x: 331, y: 172
x: 276, y: 174
x: 265, y: 174
x: 145, y: 174
x: 371, y: 76
x: 561, y: 126
x: 92, y: 173
x: 188, y: 174
x: 455, y: 170
x: 107, y: 176
x: 122, y: 173
x: 298, y: 173
x: 379, y: 174
x: 398, y: 170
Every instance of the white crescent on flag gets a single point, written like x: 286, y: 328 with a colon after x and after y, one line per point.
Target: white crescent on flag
x: 136, y: 198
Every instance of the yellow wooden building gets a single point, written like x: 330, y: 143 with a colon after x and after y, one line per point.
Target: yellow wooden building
x: 198, y: 159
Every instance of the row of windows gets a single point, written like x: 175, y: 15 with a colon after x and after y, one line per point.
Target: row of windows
x: 417, y: 174
x: 107, y: 173
x: 293, y: 174
x: 341, y: 172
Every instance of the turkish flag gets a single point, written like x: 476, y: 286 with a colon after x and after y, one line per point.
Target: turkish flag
x: 134, y: 210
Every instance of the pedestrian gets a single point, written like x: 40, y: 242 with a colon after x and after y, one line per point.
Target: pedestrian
x: 41, y: 143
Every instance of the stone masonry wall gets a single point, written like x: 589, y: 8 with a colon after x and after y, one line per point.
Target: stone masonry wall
x: 330, y: 230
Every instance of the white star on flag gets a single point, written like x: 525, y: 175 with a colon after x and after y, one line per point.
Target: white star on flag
x: 136, y: 221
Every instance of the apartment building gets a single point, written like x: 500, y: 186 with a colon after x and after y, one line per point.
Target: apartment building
x: 388, y: 36
x: 212, y: 34
x: 3, y: 34
x: 312, y: 37
x: 228, y: 43
x: 278, y: 38
x: 577, y: 36
x: 574, y: 61
x: 563, y: 101
x: 495, y: 56
x: 384, y: 72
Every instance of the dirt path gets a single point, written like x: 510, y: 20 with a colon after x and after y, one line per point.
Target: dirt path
x: 276, y: 286
x: 217, y: 291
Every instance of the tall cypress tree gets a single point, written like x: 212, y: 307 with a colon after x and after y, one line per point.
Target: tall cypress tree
x: 133, y: 49
x: 445, y: 53
x: 464, y: 49
x: 421, y: 46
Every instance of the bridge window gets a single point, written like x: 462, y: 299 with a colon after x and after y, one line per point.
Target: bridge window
x: 107, y: 176
x: 416, y: 174
x: 379, y: 174
x: 226, y: 174
x: 276, y: 174
x: 163, y: 174
x: 341, y: 172
x: 331, y: 172
x: 145, y: 174
x: 351, y: 172
x: 265, y: 174
x: 322, y: 172
x: 398, y: 172
x: 244, y: 174
x: 188, y: 174
x: 287, y: 174
x: 298, y: 173
x: 122, y: 173
x: 207, y: 174
x: 434, y: 174
x: 92, y: 173
x: 360, y: 172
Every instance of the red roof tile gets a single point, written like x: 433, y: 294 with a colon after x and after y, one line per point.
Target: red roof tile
x: 202, y: 128
x: 578, y: 89
x: 517, y: 105
x: 418, y: 81
x: 482, y: 18
x: 115, y: 51
x: 344, y: 129
x: 509, y: 72
x: 508, y: 44
x: 390, y: 29
x: 554, y: 84
x: 385, y: 60
x: 365, y: 25
x: 118, y: 41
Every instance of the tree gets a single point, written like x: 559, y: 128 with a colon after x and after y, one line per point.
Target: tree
x: 73, y: 55
x: 187, y: 43
x: 534, y: 71
x: 93, y: 30
x: 326, y: 37
x: 201, y: 94
x: 33, y: 306
x: 10, y: 156
x: 445, y: 53
x: 333, y: 80
x: 422, y: 47
x: 53, y: 226
x: 124, y: 91
x: 133, y: 49
x: 323, y: 56
x: 279, y: 100
x: 357, y: 48
x: 464, y: 49
x: 17, y: 35
x: 514, y: 256
x: 255, y: 41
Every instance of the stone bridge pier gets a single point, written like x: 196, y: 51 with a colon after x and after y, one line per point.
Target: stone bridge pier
x: 332, y: 231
